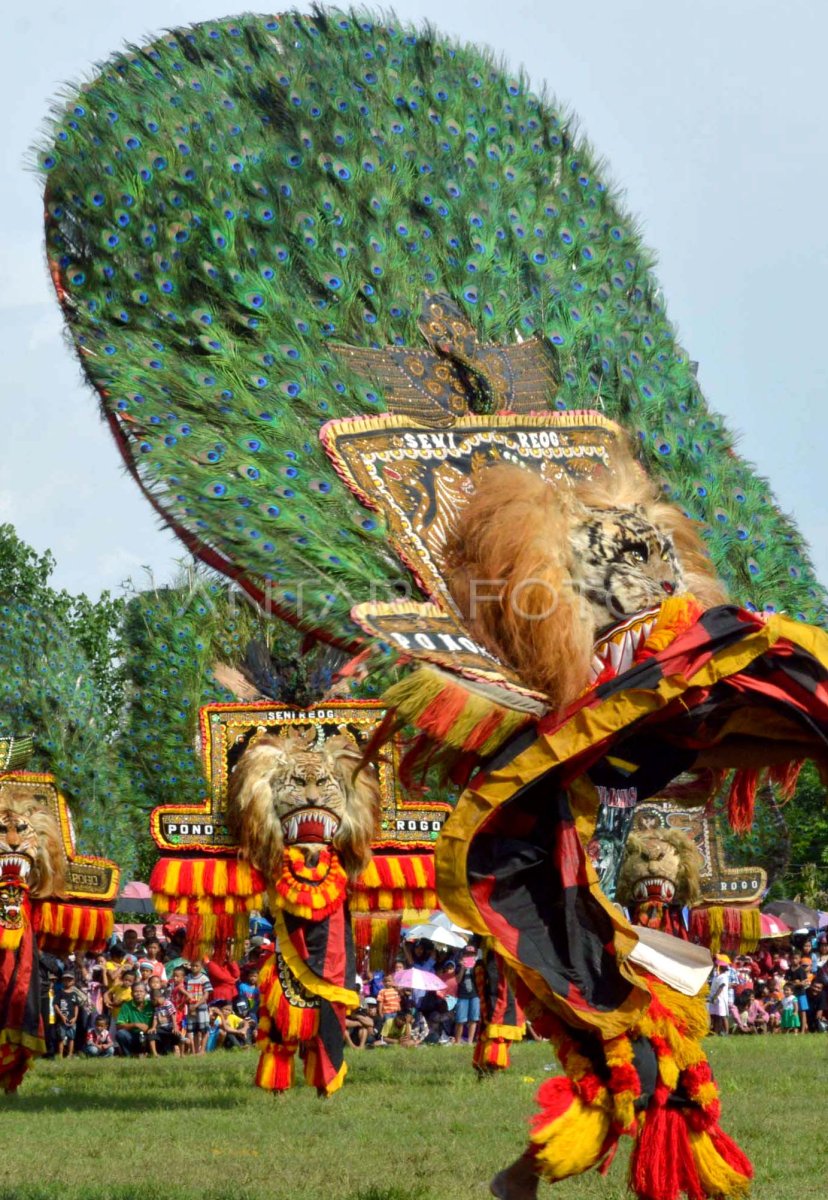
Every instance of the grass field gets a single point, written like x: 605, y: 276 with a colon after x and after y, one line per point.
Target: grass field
x: 408, y: 1125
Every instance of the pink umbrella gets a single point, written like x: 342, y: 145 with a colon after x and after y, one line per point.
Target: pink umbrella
x: 136, y: 890
x: 773, y: 926
x: 418, y: 980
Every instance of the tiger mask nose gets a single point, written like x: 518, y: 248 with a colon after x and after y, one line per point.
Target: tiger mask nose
x: 668, y: 587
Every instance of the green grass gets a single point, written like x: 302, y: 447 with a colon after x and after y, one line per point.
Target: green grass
x: 408, y: 1125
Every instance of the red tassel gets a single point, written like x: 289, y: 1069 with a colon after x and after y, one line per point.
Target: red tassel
x: 662, y: 1165
x: 785, y: 776
x: 185, y: 879
x: 699, y: 926
x: 439, y: 718
x: 742, y: 800
x: 484, y: 730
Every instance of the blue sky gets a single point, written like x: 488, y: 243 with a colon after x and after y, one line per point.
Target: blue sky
x: 712, y: 114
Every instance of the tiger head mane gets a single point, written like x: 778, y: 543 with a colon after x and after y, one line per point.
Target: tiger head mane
x: 539, y: 570
x: 664, y: 865
x: 30, y: 830
x: 284, y: 790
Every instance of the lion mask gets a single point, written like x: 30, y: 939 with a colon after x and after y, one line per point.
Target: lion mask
x: 32, y: 858
x: 539, y: 571
x: 662, y: 867
x: 284, y: 792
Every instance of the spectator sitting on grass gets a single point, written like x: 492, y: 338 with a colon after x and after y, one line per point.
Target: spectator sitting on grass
x: 133, y: 1023
x: 232, y: 1028
x: 359, y: 1028
x: 67, y: 1009
x: 99, y: 1042
x: 408, y: 1027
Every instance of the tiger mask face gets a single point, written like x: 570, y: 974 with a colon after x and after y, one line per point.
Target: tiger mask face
x: 662, y: 867
x: 540, y: 571
x: 32, y: 859
x: 284, y: 793
x: 621, y: 564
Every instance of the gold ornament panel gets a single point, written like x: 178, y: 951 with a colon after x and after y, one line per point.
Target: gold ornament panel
x: 226, y: 729
x: 87, y: 877
x: 720, y: 884
x: 419, y: 478
x: 427, y: 633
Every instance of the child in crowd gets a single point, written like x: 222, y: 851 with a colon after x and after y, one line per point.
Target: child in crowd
x: 199, y: 990
x: 164, y: 1035
x: 99, y: 1042
x: 790, y: 1011
x: 389, y: 1000
x: 120, y: 991
x: 248, y: 993
x: 67, y: 1010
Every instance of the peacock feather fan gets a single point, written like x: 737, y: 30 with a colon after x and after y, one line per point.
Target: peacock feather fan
x: 227, y: 204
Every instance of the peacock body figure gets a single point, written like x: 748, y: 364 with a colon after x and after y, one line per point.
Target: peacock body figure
x: 364, y: 316
x: 230, y: 206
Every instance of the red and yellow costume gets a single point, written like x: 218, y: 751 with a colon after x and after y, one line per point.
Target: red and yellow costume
x: 304, y: 985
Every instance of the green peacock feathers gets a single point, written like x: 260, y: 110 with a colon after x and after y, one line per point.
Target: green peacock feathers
x: 232, y: 201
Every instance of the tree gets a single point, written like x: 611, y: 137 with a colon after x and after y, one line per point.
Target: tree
x: 804, y: 865
x: 59, y: 680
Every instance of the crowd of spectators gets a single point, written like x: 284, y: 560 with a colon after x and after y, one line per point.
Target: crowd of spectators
x: 390, y: 1015
x: 774, y: 990
x: 142, y: 997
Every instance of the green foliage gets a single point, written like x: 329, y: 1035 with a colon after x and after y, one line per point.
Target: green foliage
x: 226, y: 202
x: 58, y: 681
x: 791, y: 842
x: 172, y: 637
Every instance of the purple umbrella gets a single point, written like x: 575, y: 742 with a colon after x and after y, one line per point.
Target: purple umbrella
x: 418, y: 980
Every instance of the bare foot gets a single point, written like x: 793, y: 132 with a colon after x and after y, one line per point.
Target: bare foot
x: 517, y: 1182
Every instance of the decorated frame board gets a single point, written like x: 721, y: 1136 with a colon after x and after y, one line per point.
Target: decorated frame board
x: 418, y: 478
x: 720, y: 884
x: 225, y: 730
x: 89, y: 879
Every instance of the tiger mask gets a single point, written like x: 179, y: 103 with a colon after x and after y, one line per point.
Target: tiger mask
x: 539, y: 571
x: 283, y: 792
x: 32, y: 859
x: 662, y: 867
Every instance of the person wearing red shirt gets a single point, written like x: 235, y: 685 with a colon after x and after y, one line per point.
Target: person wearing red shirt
x: 224, y: 977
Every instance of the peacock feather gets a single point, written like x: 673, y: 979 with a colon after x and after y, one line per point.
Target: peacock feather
x: 231, y: 204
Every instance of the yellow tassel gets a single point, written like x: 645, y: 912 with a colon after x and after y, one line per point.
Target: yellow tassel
x: 751, y: 930
x: 220, y: 878
x: 715, y: 919
x: 573, y: 1142
x: 717, y: 1177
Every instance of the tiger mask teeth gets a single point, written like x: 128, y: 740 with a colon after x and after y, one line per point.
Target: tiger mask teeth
x: 308, y: 826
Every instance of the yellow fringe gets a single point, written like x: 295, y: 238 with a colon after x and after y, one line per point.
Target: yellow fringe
x: 717, y: 1177
x: 573, y: 1142
x: 715, y: 925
